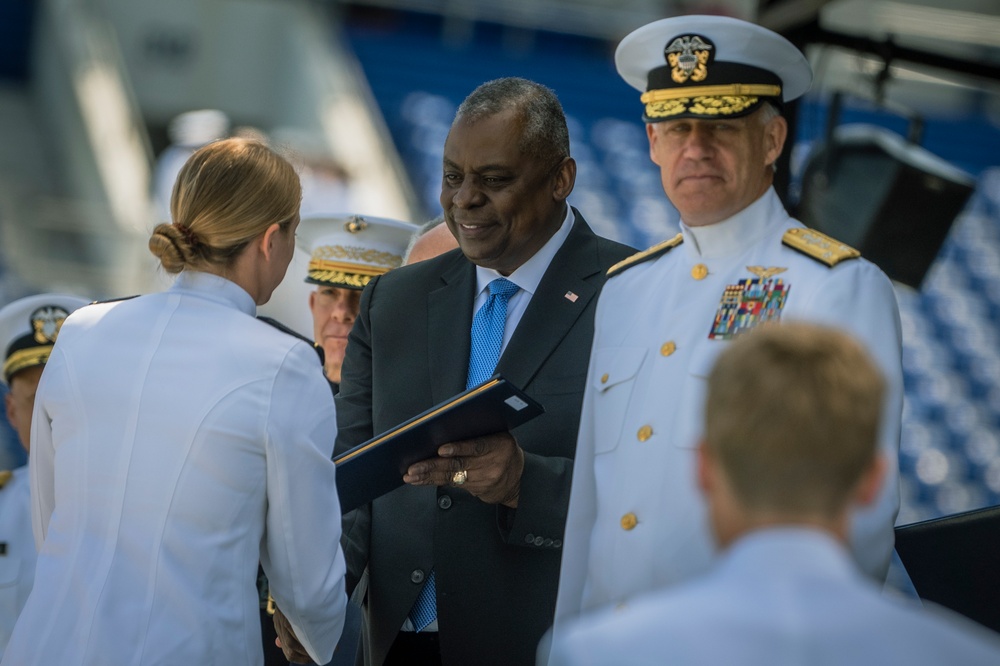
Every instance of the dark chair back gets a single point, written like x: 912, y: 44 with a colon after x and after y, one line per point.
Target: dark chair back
x: 955, y: 561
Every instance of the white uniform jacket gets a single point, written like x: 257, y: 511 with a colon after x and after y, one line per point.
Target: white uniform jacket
x: 176, y: 441
x: 779, y: 597
x: 636, y: 519
x: 17, y: 561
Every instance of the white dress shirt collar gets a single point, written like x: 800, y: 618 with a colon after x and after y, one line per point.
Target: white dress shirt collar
x: 529, y: 274
x: 777, y: 551
x: 736, y: 233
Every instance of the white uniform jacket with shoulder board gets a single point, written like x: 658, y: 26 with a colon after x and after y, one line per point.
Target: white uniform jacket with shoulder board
x: 636, y: 519
x: 176, y: 441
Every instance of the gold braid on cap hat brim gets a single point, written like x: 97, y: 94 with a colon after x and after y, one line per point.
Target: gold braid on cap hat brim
x: 363, y: 264
x: 343, y: 273
x: 25, y: 358
x: 720, y: 100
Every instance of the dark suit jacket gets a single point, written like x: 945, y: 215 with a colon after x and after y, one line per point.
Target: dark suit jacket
x: 497, y: 570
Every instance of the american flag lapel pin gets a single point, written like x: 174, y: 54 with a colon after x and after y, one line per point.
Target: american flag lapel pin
x: 571, y: 297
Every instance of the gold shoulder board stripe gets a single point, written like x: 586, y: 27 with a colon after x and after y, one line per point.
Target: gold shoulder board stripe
x: 651, y: 253
x: 819, y: 246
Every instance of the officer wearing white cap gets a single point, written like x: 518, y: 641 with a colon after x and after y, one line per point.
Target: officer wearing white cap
x: 28, y: 330
x: 188, y: 132
x: 347, y: 251
x: 712, y: 88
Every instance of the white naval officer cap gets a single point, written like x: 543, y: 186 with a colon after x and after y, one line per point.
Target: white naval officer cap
x: 29, y: 328
x: 347, y: 251
x: 710, y: 67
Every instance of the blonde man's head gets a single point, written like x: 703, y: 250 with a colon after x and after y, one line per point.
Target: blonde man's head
x: 792, y: 418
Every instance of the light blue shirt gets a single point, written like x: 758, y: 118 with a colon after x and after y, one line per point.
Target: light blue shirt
x: 778, y: 597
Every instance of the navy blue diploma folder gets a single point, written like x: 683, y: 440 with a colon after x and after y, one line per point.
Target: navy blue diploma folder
x: 376, y: 467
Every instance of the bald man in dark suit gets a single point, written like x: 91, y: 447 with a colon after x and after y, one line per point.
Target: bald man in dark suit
x: 482, y: 521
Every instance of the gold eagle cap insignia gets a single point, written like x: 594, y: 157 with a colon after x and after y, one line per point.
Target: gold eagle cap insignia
x: 355, y: 224
x: 765, y: 273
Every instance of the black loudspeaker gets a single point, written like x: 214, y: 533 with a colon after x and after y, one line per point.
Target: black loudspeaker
x: 892, y: 200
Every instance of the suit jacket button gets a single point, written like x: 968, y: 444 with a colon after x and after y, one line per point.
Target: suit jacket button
x: 444, y: 502
x: 417, y: 576
x: 529, y: 538
x: 539, y: 540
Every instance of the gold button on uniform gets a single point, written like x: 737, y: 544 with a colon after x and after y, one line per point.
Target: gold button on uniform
x: 645, y: 432
x: 668, y: 348
x: 604, y: 378
x: 629, y: 521
x: 699, y: 272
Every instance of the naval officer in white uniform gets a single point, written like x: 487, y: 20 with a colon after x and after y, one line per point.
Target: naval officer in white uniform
x: 177, y: 440
x: 789, y: 446
x: 712, y: 89
x: 28, y: 329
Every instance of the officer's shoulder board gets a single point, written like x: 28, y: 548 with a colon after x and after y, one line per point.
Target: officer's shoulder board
x: 646, y: 255
x: 295, y: 334
x: 819, y: 246
x: 114, y: 300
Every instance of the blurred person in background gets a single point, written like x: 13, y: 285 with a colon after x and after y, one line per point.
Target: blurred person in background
x: 713, y: 87
x: 326, y: 183
x: 790, y: 447
x: 188, y: 132
x: 28, y: 329
x: 430, y: 240
x: 176, y: 441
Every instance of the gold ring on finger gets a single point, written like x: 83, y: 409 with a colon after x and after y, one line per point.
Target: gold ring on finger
x: 459, y: 477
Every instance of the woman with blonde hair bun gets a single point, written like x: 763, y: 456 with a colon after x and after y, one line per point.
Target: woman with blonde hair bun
x: 177, y: 441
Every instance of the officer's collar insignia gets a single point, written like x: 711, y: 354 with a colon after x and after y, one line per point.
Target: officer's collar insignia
x: 748, y: 303
x: 689, y: 57
x: 646, y: 255
x: 765, y: 273
x: 46, y: 322
x: 819, y: 246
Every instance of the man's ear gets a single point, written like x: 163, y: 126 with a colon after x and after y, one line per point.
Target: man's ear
x: 565, y: 179
x: 706, y: 468
x: 8, y: 400
x: 775, y: 133
x: 871, y: 481
x: 651, y: 135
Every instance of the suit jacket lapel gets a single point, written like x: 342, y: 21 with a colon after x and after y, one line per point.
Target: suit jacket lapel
x: 562, y: 297
x: 449, y: 311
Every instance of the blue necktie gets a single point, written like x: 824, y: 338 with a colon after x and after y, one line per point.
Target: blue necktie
x: 487, y: 340
x: 487, y: 332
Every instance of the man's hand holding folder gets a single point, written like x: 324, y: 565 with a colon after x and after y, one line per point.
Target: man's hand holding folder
x: 465, y: 441
x: 488, y: 467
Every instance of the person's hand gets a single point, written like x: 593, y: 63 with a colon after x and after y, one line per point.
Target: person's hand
x: 489, y: 467
x: 287, y: 640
